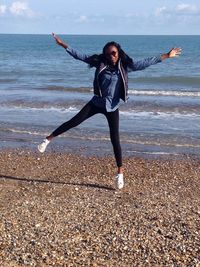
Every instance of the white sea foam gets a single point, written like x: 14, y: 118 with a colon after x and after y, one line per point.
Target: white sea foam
x: 161, y: 153
x: 151, y: 114
x: 165, y: 93
x: 20, y: 131
x: 71, y: 109
x: 127, y: 113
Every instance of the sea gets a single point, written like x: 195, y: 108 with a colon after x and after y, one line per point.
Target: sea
x: 41, y: 86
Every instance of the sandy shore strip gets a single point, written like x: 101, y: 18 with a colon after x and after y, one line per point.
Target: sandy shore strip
x: 60, y: 209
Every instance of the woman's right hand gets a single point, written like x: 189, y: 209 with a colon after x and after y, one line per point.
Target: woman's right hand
x: 59, y: 41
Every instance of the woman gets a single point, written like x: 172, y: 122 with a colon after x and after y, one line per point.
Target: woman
x: 110, y: 85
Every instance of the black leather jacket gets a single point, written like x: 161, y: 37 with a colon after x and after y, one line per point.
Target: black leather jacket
x: 124, y: 75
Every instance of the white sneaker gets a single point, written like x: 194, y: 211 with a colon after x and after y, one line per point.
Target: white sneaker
x: 120, y: 180
x: 43, y: 145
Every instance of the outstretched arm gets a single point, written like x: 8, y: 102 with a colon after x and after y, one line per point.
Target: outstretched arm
x: 142, y: 64
x: 176, y: 51
x: 73, y: 52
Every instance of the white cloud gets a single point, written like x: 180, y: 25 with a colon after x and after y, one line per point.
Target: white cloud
x: 21, y: 9
x: 187, y: 9
x: 82, y: 18
x: 181, y: 9
x: 2, y: 9
x: 160, y: 11
x: 131, y: 15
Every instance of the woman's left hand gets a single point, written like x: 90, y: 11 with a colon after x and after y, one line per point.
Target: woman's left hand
x: 176, y: 51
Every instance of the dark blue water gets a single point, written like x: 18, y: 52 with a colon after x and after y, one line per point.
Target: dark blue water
x: 41, y: 86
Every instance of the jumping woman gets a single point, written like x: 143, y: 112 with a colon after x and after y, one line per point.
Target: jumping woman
x: 110, y: 85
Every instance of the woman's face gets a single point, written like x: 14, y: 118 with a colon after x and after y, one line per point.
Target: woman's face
x: 112, y: 54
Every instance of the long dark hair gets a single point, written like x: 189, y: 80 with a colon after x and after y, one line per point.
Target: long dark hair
x: 95, y: 60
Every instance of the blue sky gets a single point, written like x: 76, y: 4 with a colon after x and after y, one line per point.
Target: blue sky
x: 100, y: 17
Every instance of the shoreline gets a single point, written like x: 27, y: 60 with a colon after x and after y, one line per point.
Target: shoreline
x: 63, y: 209
x: 102, y: 147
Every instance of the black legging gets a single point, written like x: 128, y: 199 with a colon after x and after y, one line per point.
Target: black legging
x: 88, y: 111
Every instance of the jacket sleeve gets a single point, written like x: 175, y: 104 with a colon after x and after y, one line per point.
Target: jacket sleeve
x: 144, y: 63
x: 77, y: 55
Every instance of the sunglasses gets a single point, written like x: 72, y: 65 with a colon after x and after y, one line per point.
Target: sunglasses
x: 112, y: 53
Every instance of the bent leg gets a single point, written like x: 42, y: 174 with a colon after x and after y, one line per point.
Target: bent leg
x: 86, y: 112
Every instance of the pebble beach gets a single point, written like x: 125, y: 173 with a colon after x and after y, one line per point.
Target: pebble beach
x: 62, y: 209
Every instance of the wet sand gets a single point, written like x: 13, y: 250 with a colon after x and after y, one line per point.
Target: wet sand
x: 60, y: 209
